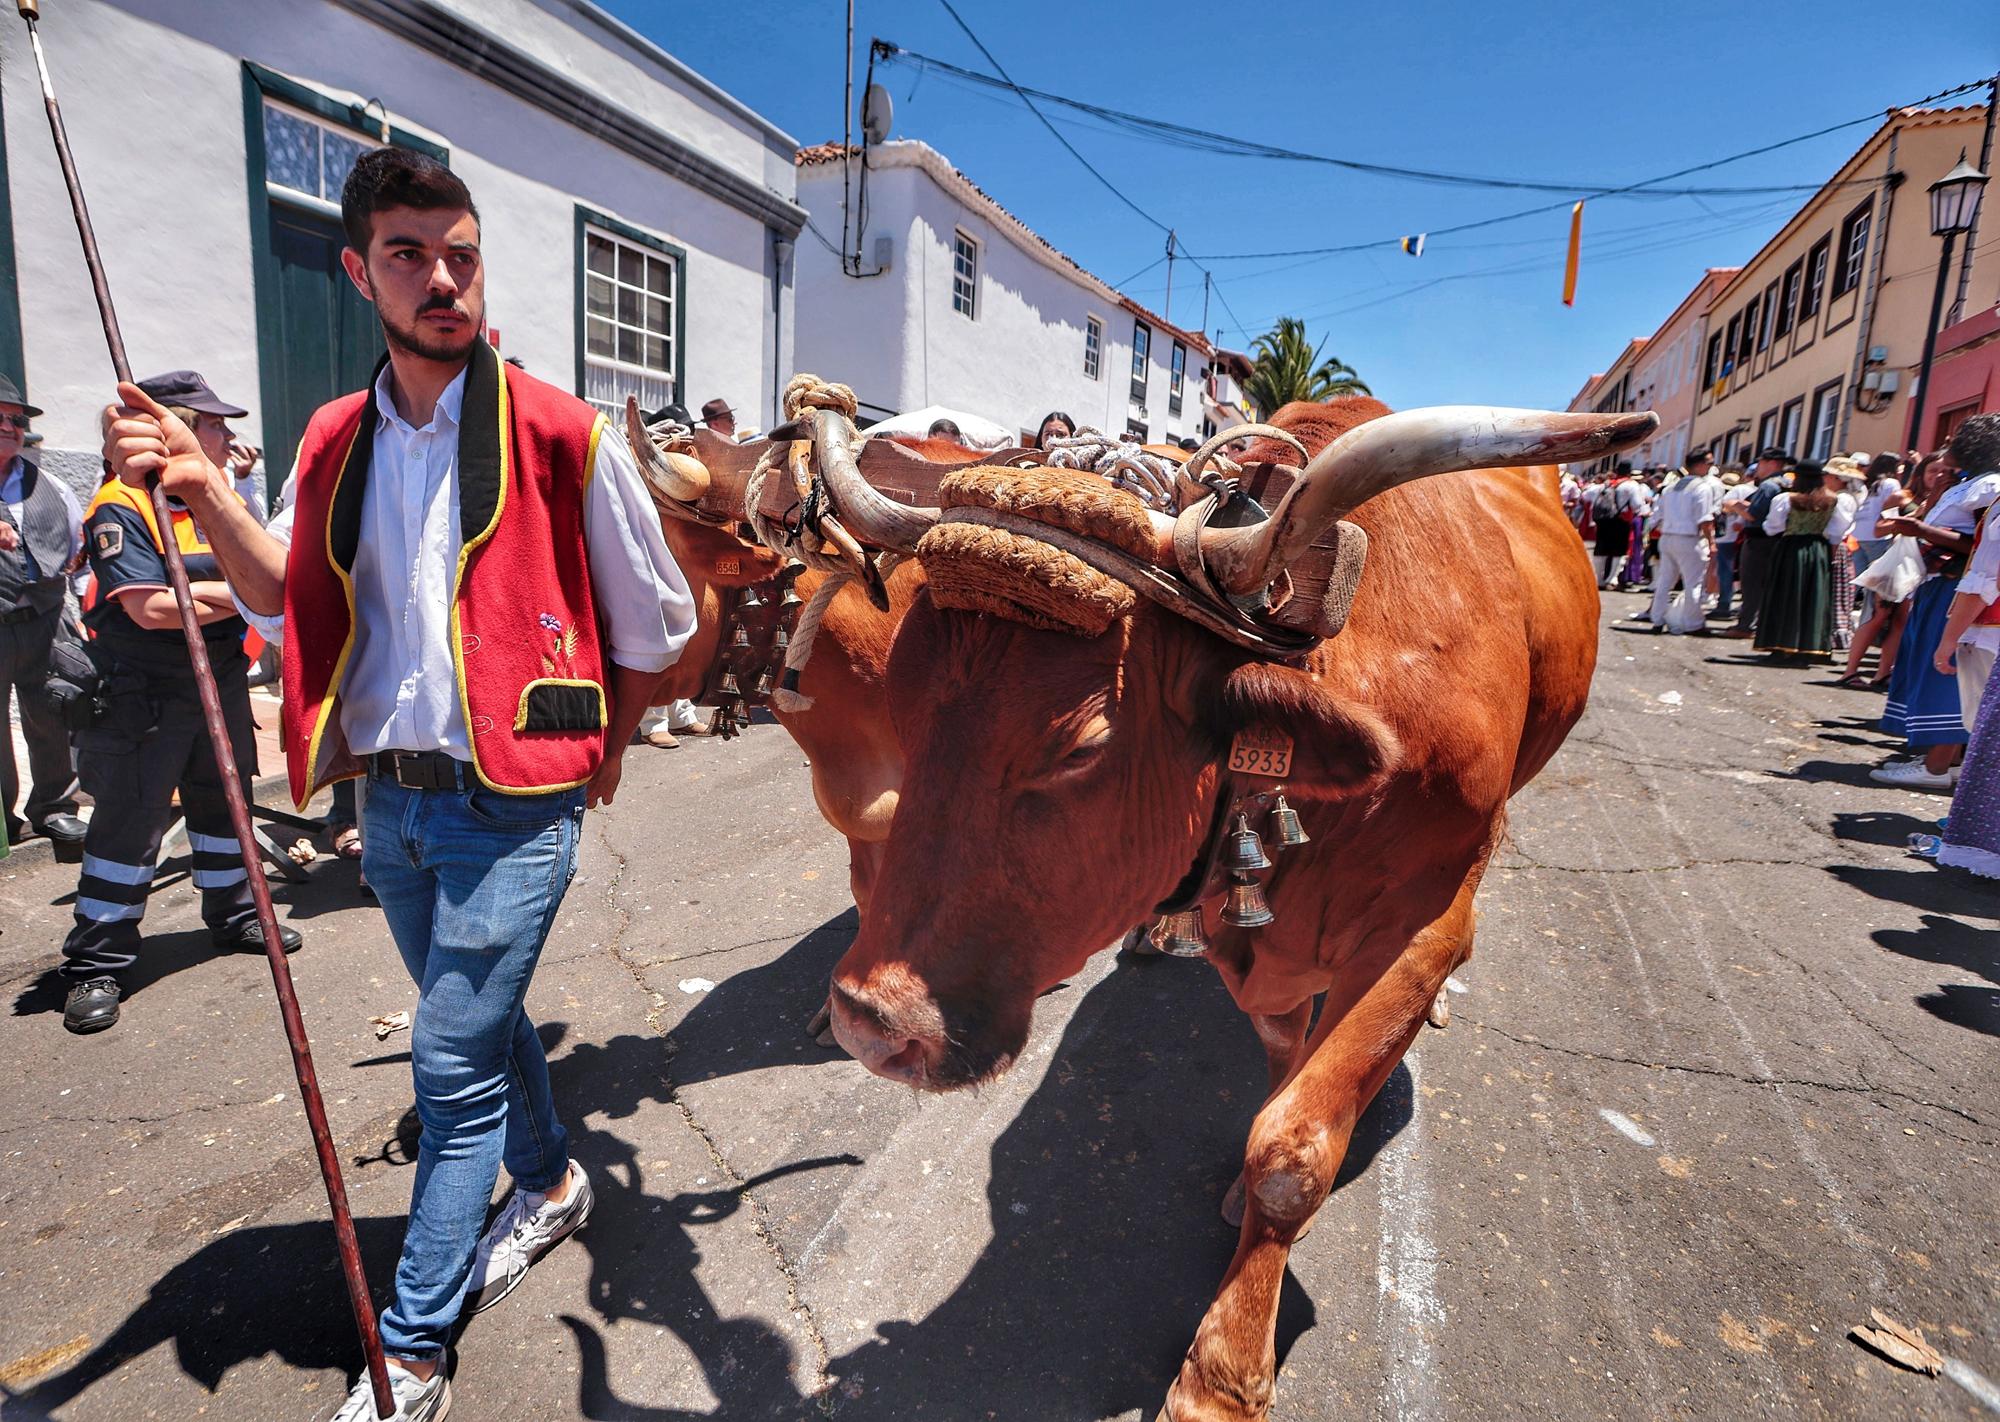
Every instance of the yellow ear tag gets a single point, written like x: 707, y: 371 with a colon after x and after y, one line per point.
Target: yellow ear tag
x: 1261, y: 752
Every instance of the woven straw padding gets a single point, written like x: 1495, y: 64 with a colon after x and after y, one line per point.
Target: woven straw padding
x: 976, y: 568
x: 1081, y: 503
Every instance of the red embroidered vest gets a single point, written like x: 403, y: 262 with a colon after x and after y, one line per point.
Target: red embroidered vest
x: 528, y: 652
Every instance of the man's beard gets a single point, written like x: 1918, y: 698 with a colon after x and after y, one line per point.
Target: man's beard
x: 417, y: 341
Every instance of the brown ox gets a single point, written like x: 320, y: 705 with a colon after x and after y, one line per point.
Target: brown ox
x: 1058, y: 787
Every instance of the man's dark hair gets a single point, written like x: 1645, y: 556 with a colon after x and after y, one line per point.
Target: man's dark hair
x: 1696, y: 456
x: 1883, y: 465
x: 944, y: 429
x: 1976, y: 444
x: 396, y: 177
x: 1624, y: 466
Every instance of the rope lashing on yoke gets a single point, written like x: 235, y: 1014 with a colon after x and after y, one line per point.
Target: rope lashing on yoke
x: 1124, y: 462
x: 818, y: 541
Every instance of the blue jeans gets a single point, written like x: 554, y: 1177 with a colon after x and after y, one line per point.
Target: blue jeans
x: 470, y: 882
x: 1725, y: 580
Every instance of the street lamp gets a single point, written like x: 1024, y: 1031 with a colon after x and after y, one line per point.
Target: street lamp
x: 1954, y: 210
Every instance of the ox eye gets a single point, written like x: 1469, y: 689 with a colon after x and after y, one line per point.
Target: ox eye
x: 1087, y: 750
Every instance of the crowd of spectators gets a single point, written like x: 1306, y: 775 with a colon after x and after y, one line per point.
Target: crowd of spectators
x: 1813, y: 560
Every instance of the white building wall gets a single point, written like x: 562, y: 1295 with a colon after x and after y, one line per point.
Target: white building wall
x: 897, y: 340
x: 163, y: 164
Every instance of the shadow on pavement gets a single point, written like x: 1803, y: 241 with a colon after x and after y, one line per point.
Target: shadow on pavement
x: 1964, y: 1005
x: 276, y: 1290
x: 161, y: 955
x: 756, y: 1017
x: 1832, y: 772
x: 1103, y: 1200
x: 1927, y: 887
x: 1885, y: 827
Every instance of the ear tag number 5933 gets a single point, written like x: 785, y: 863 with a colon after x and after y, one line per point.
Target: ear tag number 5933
x: 1260, y: 752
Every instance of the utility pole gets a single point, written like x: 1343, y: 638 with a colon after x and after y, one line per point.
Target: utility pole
x: 847, y: 154
x: 1204, y: 299
x: 1169, y: 312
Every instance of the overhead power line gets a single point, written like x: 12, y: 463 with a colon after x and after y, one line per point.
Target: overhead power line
x: 1208, y: 140
x: 1212, y: 141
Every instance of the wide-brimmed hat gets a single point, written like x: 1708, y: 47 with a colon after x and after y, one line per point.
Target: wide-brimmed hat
x: 187, y: 389
x: 1850, y: 472
x: 10, y: 394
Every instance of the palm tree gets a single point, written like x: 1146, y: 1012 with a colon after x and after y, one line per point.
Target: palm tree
x: 1285, y: 370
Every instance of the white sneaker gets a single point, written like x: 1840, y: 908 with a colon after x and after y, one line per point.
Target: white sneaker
x: 416, y: 1400
x: 527, y: 1227
x: 1913, y: 775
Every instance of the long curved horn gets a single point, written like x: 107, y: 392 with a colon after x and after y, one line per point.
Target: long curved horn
x: 869, y: 514
x: 680, y: 477
x: 1413, y: 444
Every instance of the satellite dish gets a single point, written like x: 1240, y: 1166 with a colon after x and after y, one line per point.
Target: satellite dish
x: 877, y: 113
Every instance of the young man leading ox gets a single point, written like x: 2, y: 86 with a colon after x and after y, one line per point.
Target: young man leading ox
x: 475, y: 603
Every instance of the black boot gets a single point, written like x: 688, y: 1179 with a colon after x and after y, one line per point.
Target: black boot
x: 249, y: 938
x: 92, y: 1006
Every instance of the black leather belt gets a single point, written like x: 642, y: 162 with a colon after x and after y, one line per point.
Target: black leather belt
x: 420, y: 770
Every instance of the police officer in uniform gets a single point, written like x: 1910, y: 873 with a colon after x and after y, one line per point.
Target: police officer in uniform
x: 41, y: 528
x: 152, y: 740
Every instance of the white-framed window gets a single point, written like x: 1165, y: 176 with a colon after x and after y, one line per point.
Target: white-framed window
x: 964, y: 275
x: 631, y: 314
x: 1788, y: 425
x: 1142, y: 354
x: 1176, y: 378
x: 1825, y: 410
x: 1093, y: 348
x: 306, y: 155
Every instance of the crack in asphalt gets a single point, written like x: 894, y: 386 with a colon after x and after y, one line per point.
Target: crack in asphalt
x: 1866, y: 1088
x: 820, y: 1385
x: 132, y: 1120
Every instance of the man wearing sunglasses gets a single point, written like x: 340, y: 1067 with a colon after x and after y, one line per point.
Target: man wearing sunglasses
x: 41, y: 531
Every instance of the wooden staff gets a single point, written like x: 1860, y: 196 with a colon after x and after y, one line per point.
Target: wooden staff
x: 225, y: 759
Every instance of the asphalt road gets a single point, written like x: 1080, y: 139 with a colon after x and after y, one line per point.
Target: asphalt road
x: 1722, y: 1080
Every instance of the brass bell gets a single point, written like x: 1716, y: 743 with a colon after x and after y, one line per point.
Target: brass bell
x: 742, y: 638
x: 1291, y: 834
x: 781, y: 640
x: 1245, y: 850
x: 1246, y: 907
x: 1181, y: 935
x: 750, y: 599
x: 791, y: 597
x: 742, y: 714
x: 727, y: 686
x: 724, y: 724
x: 766, y: 683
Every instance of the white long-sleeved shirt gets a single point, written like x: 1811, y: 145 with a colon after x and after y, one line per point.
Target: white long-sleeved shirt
x: 1838, y: 523
x: 400, y: 691
x: 1982, y: 580
x: 1688, y: 503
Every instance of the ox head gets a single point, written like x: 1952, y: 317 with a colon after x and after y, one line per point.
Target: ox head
x: 1058, y: 784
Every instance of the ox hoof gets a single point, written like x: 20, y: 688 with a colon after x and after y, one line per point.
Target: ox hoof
x: 1232, y: 1209
x: 1440, y: 1014
x: 820, y: 1027
x: 1139, y: 942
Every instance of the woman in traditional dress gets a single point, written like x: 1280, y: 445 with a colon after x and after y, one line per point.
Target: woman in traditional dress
x: 1853, y: 481
x: 1885, y: 619
x: 1797, y: 620
x: 1924, y: 702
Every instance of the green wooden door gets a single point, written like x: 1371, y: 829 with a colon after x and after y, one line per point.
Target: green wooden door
x: 331, y: 337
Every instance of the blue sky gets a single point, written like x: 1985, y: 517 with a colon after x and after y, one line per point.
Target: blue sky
x: 1592, y: 94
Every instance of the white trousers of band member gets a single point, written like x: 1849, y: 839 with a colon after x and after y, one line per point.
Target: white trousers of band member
x: 1683, y: 559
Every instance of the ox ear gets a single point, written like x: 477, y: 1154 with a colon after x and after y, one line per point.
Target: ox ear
x: 1339, y: 751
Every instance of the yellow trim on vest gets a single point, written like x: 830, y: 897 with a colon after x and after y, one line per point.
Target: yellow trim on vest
x: 332, y: 695
x: 603, y: 705
x: 590, y: 456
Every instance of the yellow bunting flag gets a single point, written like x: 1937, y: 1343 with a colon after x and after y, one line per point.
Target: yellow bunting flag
x: 1414, y: 246
x: 1575, y: 252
